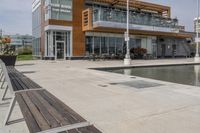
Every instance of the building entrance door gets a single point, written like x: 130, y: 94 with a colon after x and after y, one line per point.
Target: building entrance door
x: 60, y: 50
x: 163, y: 47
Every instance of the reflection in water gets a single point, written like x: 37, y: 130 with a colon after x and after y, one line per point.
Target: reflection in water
x: 188, y: 75
x: 196, y: 70
x: 127, y: 71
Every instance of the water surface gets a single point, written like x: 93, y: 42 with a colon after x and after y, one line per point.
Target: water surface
x: 187, y: 74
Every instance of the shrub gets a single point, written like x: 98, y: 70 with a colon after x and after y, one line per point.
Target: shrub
x: 25, y: 51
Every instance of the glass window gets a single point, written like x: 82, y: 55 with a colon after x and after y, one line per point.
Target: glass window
x: 63, y: 2
x: 55, y: 1
x: 89, y: 46
x: 138, y: 43
x: 96, y: 15
x: 54, y: 13
x: 104, y: 45
x: 111, y: 45
x: 119, y: 46
x: 97, y: 45
x: 59, y: 9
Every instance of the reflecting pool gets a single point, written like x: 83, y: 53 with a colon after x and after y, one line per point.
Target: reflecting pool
x: 187, y: 74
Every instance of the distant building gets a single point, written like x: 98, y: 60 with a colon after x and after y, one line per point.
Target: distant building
x: 195, y: 24
x: 19, y: 41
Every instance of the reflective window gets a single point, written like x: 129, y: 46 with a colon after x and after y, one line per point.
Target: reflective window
x: 58, y: 9
x: 116, y: 46
x: 97, y: 45
x: 104, y: 45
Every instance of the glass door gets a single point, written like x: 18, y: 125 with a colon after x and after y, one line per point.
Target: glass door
x: 60, y: 50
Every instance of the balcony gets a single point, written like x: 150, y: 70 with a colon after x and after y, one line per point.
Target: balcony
x: 116, y: 18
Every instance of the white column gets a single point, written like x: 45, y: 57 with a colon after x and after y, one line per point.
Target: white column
x: 197, y: 59
x: 51, y: 44
x: 46, y: 41
x: 127, y: 60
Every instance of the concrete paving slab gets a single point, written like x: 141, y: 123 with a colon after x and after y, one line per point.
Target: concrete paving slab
x: 170, y: 108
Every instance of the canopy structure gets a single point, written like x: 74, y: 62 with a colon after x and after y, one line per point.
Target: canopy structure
x: 164, y: 10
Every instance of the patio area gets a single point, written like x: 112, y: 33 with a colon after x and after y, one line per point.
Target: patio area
x: 158, y: 107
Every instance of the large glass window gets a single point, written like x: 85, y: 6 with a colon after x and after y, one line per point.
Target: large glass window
x: 104, y: 45
x: 119, y: 46
x: 114, y: 45
x: 89, y: 42
x: 97, y: 45
x: 59, y: 9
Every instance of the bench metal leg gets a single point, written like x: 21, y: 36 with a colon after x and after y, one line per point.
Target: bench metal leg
x: 1, y: 77
x: 5, y: 92
x: 2, y: 84
x: 1, y: 72
x: 67, y: 127
x: 11, y: 107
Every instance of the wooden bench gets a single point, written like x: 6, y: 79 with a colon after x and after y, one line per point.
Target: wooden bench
x: 20, y: 81
x: 42, y: 111
x: 17, y: 81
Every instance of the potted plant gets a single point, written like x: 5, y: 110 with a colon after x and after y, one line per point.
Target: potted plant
x: 7, y: 51
x: 138, y: 53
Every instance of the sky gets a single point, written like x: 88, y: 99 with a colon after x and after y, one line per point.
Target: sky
x: 16, y: 17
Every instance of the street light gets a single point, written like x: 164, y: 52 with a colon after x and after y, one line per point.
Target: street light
x: 197, y: 59
x: 127, y: 60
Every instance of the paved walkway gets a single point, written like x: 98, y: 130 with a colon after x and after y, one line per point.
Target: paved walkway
x: 166, y: 108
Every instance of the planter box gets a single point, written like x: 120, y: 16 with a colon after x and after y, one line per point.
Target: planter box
x: 9, y: 60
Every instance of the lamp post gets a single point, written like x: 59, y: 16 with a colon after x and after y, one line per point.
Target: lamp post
x: 127, y: 60
x: 197, y: 59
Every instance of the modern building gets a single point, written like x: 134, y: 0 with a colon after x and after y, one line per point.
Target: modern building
x: 19, y: 41
x: 65, y: 29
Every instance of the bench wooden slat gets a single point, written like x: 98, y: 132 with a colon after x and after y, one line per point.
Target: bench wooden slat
x: 20, y: 81
x: 62, y: 121
x: 30, y: 121
x: 62, y: 106
x: 16, y: 85
x: 31, y: 83
x: 71, y: 116
x: 53, y: 123
x: 42, y: 123
x: 23, y: 86
x: 34, y: 85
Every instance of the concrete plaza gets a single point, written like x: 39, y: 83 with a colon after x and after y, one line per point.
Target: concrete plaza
x: 114, y: 108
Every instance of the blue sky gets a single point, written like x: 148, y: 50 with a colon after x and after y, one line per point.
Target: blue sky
x: 15, y: 15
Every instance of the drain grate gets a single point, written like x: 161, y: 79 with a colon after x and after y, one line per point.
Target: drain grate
x: 113, y: 83
x: 139, y: 84
x: 28, y: 72
x: 103, y: 85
